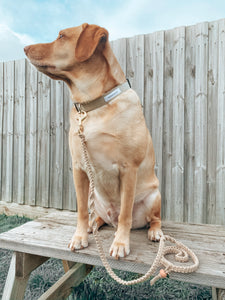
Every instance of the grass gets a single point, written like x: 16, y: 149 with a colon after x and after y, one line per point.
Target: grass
x: 98, y: 284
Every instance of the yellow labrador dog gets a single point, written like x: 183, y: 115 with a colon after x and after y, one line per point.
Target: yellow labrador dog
x: 118, y: 141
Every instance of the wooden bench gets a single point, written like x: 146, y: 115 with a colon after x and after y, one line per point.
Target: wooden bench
x: 48, y: 236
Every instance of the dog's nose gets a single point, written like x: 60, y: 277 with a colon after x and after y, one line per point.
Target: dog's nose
x: 26, y: 49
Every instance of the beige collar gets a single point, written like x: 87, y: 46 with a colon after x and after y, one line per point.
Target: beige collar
x: 103, y: 100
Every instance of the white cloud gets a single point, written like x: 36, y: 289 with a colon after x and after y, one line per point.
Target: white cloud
x: 12, y: 43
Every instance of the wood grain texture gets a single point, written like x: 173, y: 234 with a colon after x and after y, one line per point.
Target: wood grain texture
x: 220, y: 167
x: 178, y: 125
x: 15, y: 286
x: 43, y: 141
x: 153, y: 96
x: 119, y: 49
x: 7, y: 141
x: 56, y: 145
x: 31, y: 134
x: 189, y: 122
x: 69, y: 195
x: 167, y: 126
x: 19, y: 133
x: 213, y: 76
x: 135, y: 64
x: 201, y: 122
x: 48, y: 236
x: 26, y: 263
x: 1, y: 120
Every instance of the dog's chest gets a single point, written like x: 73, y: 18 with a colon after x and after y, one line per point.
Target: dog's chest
x: 103, y: 156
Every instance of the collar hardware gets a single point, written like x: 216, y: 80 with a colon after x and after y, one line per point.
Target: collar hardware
x: 103, y: 100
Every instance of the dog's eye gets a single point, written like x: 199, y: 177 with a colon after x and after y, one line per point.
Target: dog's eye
x: 60, y: 36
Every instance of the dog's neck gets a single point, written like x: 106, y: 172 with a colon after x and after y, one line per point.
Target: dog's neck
x: 102, y: 73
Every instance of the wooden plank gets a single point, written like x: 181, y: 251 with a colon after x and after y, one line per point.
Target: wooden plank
x: 220, y: 172
x: 212, y: 121
x: 167, y: 127
x: 201, y: 122
x: 31, y: 134
x: 59, y: 227
x: 153, y: 99
x: 69, y: 195
x: 14, y: 286
x: 148, y: 82
x: 189, y: 111
x: 26, y: 263
x: 178, y: 125
x: 19, y: 133
x: 67, y: 265
x: 62, y: 288
x: 56, y: 136
x: 157, y: 101
x: 135, y: 64
x: 119, y: 49
x: 43, y: 144
x: 7, y: 157
x: 1, y: 120
x: 218, y: 294
x: 32, y: 212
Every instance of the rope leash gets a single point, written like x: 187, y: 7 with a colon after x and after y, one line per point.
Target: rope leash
x: 182, y: 252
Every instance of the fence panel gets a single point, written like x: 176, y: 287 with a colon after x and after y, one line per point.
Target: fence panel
x: 43, y: 140
x: 153, y: 93
x: 56, y: 142
x: 201, y: 122
x: 69, y: 195
x: 7, y: 141
x: 19, y: 133
x: 31, y: 134
x: 212, y: 121
x: 220, y: 168
x: 1, y: 119
x: 179, y: 75
x: 167, y: 183
x: 135, y: 64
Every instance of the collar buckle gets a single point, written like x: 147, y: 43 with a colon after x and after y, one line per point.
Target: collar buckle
x: 77, y: 106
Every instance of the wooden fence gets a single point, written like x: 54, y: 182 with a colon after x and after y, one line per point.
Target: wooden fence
x: 179, y: 75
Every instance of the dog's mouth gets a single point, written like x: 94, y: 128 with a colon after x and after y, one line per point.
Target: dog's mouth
x: 42, y: 66
x: 47, y: 69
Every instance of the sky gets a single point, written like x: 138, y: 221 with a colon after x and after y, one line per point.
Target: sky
x: 26, y: 22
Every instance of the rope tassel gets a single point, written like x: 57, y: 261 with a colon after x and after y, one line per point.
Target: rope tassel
x: 182, y: 252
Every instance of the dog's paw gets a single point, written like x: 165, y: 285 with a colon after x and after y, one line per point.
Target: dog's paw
x: 118, y: 250
x: 155, y: 234
x: 120, y: 246
x: 78, y: 242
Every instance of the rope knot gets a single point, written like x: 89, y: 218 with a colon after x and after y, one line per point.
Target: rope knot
x: 162, y: 274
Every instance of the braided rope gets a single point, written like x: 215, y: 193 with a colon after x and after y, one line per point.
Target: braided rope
x: 180, y: 250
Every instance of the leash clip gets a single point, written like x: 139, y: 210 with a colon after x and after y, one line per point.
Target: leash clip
x: 81, y: 118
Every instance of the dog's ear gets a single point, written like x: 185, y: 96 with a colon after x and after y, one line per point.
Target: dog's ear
x: 90, y: 38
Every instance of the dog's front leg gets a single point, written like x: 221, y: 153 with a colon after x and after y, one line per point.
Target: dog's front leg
x: 121, y: 244
x: 80, y: 237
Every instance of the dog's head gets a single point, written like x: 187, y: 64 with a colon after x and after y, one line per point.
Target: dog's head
x: 72, y: 47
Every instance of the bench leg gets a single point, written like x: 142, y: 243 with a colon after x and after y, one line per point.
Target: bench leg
x: 218, y: 294
x: 75, y: 274
x: 15, y: 286
x: 21, y: 266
